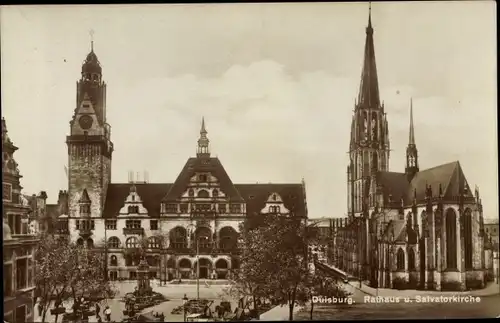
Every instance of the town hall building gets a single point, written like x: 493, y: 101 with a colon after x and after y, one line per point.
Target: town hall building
x: 173, y: 224
x: 421, y: 228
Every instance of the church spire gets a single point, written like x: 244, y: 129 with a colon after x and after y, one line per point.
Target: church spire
x: 203, y: 142
x: 411, y: 150
x: 368, y: 90
x: 411, y: 140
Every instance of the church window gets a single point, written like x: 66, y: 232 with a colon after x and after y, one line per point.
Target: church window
x: 451, y: 239
x: 400, y: 259
x: 203, y: 194
x: 191, y: 192
x: 411, y: 259
x: 110, y: 224
x: 468, y: 238
x: 215, y: 193
x: 114, y: 243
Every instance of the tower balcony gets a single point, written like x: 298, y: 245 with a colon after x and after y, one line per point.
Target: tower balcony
x: 131, y: 231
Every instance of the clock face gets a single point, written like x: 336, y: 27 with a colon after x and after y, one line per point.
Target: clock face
x: 86, y: 122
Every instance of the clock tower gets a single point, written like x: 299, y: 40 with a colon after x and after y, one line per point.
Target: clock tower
x: 89, y: 143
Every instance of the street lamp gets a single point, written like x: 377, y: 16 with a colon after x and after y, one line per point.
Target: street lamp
x: 184, y: 303
x: 191, y: 229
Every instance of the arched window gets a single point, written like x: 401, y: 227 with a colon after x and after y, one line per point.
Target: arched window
x: 215, y: 193
x: 411, y: 259
x: 184, y: 263
x: 228, y: 238
x: 79, y: 242
x: 154, y: 243
x: 375, y: 161
x: 114, y: 243
x: 113, y: 261
x: 203, y: 194
x: 90, y: 243
x: 451, y: 239
x: 400, y: 259
x: 132, y: 242
x: 467, y: 224
x: 203, y: 236
x: 178, y: 238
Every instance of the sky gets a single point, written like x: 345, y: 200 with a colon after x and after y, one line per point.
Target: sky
x: 276, y: 84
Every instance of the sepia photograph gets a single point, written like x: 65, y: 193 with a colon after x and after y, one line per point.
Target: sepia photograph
x: 249, y: 161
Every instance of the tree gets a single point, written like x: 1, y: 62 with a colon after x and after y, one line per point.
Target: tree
x: 66, y: 270
x: 251, y: 279
x: 275, y: 261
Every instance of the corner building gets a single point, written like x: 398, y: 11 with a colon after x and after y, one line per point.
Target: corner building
x: 200, y: 211
x: 19, y: 244
x: 415, y: 229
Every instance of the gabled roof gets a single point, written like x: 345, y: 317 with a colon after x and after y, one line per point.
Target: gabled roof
x: 256, y: 196
x: 195, y: 165
x: 450, y: 176
x: 85, y: 198
x: 151, y: 195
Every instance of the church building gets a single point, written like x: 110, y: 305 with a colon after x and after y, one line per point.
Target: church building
x: 415, y: 229
x: 197, y: 216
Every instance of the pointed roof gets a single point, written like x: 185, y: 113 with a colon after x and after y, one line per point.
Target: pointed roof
x: 411, y: 141
x: 207, y: 165
x: 450, y: 176
x: 6, y: 142
x: 368, y: 89
x: 85, y: 198
x: 203, y: 130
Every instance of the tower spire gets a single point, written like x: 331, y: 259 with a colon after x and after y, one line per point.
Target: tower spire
x: 203, y: 142
x: 368, y: 90
x: 91, y: 32
x: 411, y: 150
x: 412, y: 130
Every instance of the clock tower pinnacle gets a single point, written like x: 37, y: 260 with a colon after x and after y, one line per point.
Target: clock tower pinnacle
x: 89, y: 142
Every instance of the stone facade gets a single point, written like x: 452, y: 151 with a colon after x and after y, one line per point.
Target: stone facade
x: 18, y: 242
x: 416, y: 229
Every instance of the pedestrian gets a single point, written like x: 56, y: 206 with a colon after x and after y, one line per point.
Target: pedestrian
x: 97, y: 310
x: 107, y: 313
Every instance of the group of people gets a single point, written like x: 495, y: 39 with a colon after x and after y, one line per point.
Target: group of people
x: 81, y: 308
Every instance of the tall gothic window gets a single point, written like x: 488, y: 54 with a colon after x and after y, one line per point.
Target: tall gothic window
x: 400, y: 259
x: 451, y: 239
x: 467, y: 223
x: 411, y: 259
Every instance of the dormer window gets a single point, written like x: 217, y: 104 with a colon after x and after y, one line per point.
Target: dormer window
x: 191, y: 192
x: 134, y: 209
x: 275, y: 197
x: 215, y: 193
